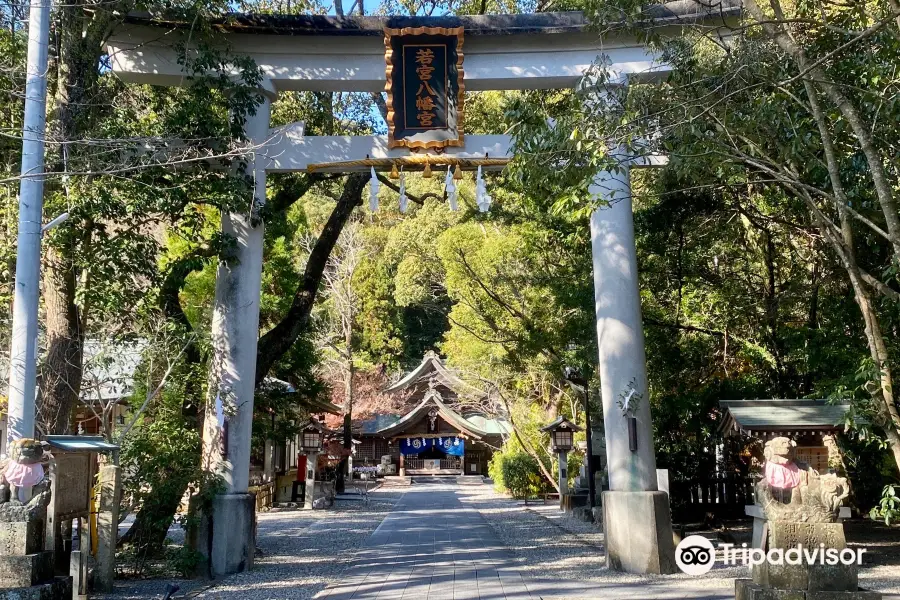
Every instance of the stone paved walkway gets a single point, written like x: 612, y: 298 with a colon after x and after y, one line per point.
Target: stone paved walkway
x: 432, y: 547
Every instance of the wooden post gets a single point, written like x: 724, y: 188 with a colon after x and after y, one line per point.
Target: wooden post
x: 402, y: 467
x: 78, y: 561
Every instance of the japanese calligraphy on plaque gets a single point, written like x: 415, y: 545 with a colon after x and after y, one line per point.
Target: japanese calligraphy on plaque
x: 424, y: 86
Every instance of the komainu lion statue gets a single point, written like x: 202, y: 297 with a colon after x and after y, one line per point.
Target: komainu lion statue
x: 23, y: 469
x: 792, y: 491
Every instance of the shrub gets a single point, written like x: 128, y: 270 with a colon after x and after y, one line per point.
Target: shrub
x: 517, y: 473
x: 184, y: 561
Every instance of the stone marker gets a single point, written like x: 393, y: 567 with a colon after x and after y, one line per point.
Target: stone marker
x: 107, y: 527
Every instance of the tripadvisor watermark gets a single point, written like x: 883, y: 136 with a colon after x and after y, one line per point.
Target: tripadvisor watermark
x: 695, y: 555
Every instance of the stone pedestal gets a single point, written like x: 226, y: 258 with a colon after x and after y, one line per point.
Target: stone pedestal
x: 816, y: 581
x: 60, y: 588
x: 26, y: 570
x: 21, y: 537
x: 638, y: 532
x: 226, y: 536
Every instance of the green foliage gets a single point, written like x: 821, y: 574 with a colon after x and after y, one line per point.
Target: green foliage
x: 742, y: 294
x: 888, y: 509
x: 160, y: 455
x: 184, y: 561
x: 517, y: 473
x: 869, y: 467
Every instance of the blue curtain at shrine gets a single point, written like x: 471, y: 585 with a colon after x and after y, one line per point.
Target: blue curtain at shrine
x: 452, y: 446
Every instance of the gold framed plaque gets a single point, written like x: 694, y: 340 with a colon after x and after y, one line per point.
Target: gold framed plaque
x: 425, y: 86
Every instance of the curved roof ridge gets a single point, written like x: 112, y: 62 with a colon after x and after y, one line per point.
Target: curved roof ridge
x: 448, y: 414
x: 432, y: 362
x: 429, y: 359
x: 672, y: 12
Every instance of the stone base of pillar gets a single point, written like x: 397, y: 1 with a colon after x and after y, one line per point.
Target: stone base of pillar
x: 227, y: 537
x: 309, y: 495
x: 638, y: 532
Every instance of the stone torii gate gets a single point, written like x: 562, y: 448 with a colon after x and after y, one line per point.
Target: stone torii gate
x: 509, y: 52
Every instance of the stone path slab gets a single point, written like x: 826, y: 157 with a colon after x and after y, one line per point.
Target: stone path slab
x: 431, y: 547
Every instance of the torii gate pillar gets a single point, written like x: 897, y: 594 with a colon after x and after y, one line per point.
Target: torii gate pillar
x: 636, y: 520
x: 226, y: 535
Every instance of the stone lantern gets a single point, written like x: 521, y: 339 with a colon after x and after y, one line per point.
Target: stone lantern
x: 311, y: 438
x: 561, y: 433
x: 312, y: 443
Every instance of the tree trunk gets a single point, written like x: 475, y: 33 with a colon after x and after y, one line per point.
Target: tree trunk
x: 527, y: 447
x: 61, y: 374
x: 62, y: 370
x: 152, y: 522
x: 151, y: 525
x: 814, y: 74
x: 844, y: 248
x: 348, y: 406
x: 280, y: 338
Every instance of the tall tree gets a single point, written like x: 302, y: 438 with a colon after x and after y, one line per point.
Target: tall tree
x: 795, y: 107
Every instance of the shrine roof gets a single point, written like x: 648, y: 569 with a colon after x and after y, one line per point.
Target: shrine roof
x: 320, y: 427
x: 486, y: 424
x: 782, y: 415
x: 370, y: 426
x: 433, y: 366
x: 80, y: 443
x: 491, y: 426
x: 561, y: 422
x: 679, y: 11
x: 433, y: 400
x: 109, y: 369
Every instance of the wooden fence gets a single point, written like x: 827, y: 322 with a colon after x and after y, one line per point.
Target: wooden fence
x: 723, y: 495
x: 265, y: 495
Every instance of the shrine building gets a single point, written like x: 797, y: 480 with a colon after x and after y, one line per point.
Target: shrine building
x: 446, y: 433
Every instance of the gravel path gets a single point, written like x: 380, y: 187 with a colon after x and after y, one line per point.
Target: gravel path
x: 302, y: 553
x: 569, y: 549
x: 305, y: 551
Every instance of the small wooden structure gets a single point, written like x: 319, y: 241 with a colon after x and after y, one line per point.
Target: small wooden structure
x: 73, y: 469
x: 561, y: 432
x: 812, y: 424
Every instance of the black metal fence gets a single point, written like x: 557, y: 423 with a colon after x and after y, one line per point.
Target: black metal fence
x: 453, y: 462
x: 721, y: 495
